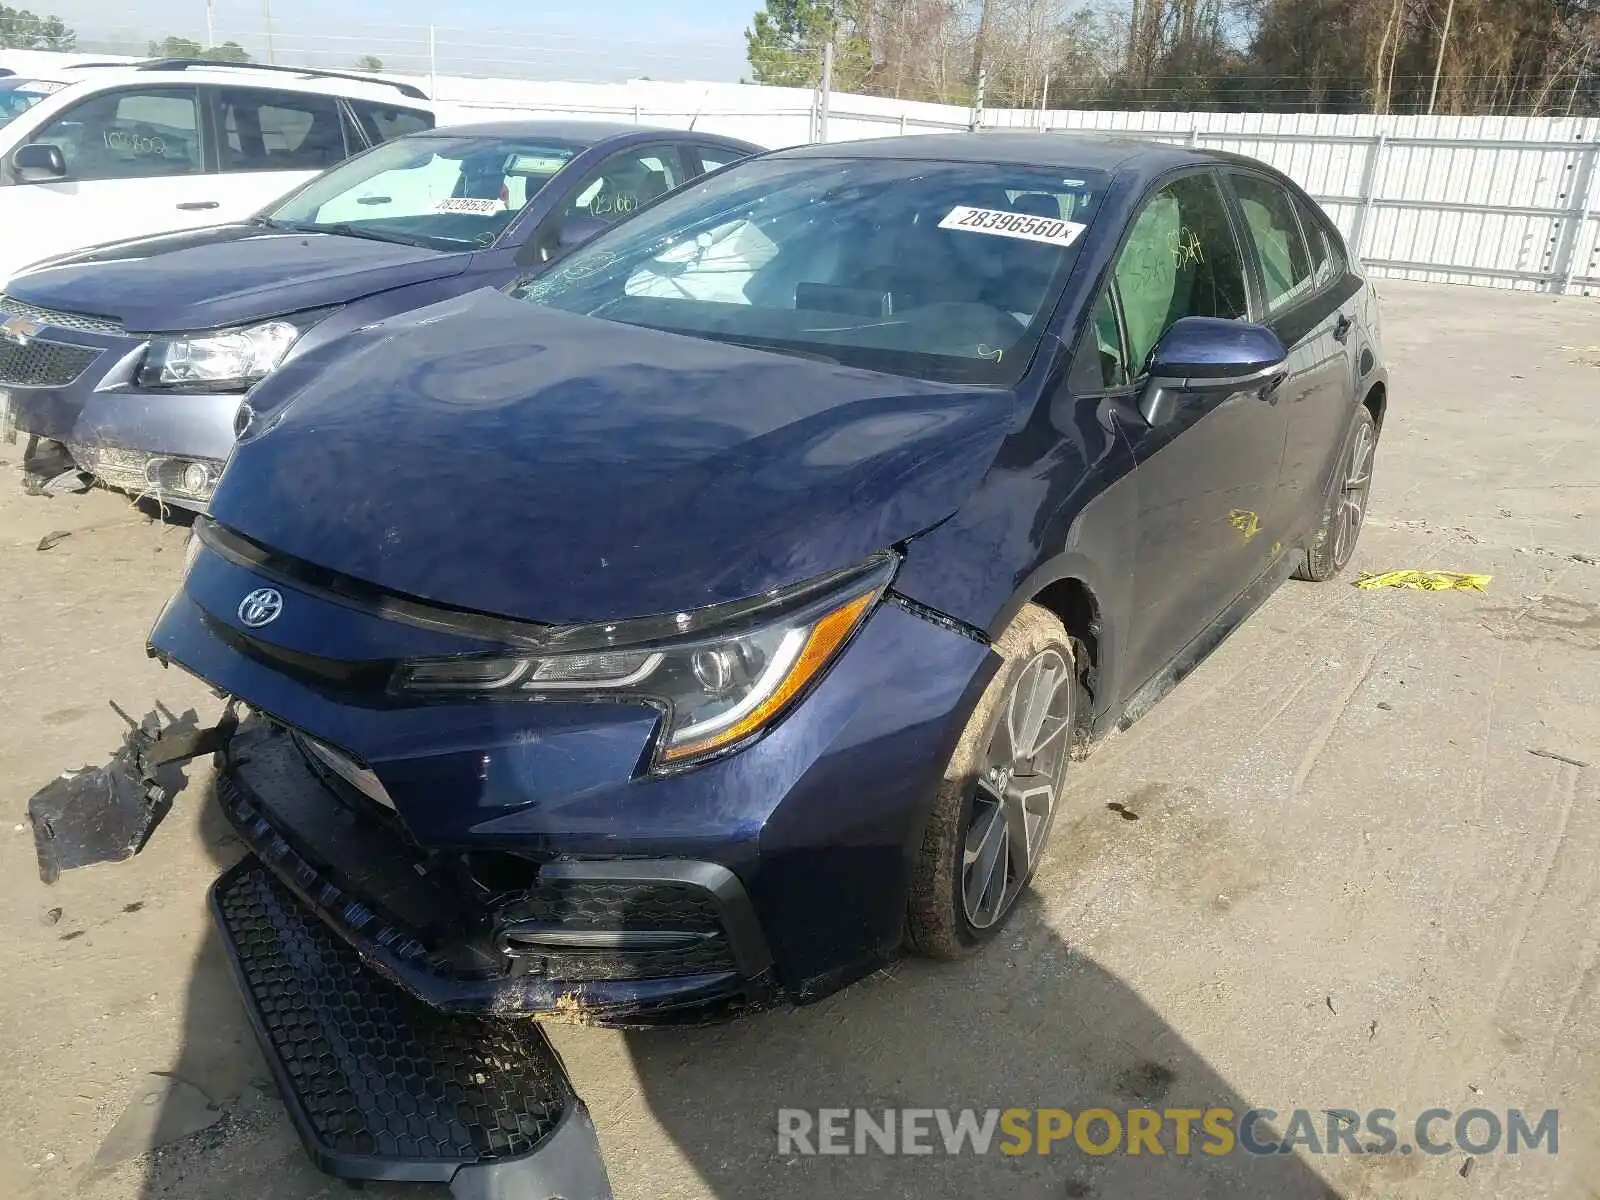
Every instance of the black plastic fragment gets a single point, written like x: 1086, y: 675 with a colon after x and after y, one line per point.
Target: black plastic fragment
x: 382, y: 1086
x: 107, y: 813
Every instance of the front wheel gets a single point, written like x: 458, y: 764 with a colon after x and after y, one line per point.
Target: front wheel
x: 1347, y: 507
x: 995, y: 805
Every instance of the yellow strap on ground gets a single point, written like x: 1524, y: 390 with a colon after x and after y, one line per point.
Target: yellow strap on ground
x: 1427, y: 581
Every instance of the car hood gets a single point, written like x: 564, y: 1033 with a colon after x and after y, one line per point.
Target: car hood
x: 492, y: 455
x: 226, y: 275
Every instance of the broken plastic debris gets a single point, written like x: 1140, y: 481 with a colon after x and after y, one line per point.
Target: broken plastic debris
x: 1427, y: 581
x: 107, y: 813
x: 49, y: 540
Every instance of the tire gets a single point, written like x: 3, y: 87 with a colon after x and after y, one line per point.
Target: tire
x: 953, y: 910
x: 1346, y: 509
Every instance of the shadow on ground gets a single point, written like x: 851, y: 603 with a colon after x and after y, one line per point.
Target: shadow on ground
x: 1027, y: 1023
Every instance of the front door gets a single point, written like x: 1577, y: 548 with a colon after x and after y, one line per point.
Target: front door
x: 135, y: 166
x: 1206, y: 479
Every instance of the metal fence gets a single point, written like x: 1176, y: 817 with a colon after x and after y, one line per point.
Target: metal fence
x: 1497, y: 201
x: 1494, y: 201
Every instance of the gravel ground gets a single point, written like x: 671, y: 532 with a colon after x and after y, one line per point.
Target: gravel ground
x: 1351, y: 883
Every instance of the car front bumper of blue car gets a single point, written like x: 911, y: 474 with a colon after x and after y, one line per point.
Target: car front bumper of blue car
x: 518, y: 857
x: 75, y: 387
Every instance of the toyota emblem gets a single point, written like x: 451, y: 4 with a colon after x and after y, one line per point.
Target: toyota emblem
x: 261, y: 607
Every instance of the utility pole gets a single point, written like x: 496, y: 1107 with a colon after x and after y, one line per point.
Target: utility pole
x: 266, y: 11
x: 827, y: 88
x: 211, y: 32
x: 1044, y: 96
x: 433, y: 70
x: 1438, y: 66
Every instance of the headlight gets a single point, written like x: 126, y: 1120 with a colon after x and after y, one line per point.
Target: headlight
x: 228, y: 360
x: 720, y: 675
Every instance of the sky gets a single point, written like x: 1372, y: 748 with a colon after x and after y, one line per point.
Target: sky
x: 590, y: 40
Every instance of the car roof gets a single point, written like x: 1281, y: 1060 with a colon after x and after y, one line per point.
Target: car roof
x: 1031, y: 148
x: 172, y: 71
x: 570, y: 130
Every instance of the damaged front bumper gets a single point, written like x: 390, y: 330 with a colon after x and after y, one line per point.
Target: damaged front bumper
x: 630, y: 942
x: 379, y: 1083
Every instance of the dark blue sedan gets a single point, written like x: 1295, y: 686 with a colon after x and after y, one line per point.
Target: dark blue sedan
x: 709, y: 618
x: 132, y: 358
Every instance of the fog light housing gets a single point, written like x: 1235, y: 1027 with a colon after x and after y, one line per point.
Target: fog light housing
x: 191, y: 478
x: 155, y: 475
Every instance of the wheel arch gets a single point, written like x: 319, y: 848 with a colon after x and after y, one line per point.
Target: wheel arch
x: 1070, y: 588
x: 1376, y: 402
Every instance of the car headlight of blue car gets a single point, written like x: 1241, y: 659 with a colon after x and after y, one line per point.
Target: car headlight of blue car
x: 720, y: 675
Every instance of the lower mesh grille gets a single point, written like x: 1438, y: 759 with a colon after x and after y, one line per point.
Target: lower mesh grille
x: 373, y: 1071
x: 576, y: 906
x: 43, y: 364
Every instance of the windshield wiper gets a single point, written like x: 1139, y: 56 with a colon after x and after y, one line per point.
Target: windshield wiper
x: 770, y: 347
x: 343, y: 229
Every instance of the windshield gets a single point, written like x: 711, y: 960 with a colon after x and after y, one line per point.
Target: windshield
x: 19, y: 95
x: 446, y: 192
x: 938, y: 270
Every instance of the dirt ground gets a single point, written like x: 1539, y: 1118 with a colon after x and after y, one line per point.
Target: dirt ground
x: 1351, y: 883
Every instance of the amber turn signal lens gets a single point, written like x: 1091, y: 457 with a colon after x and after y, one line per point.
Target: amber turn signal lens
x: 824, y: 641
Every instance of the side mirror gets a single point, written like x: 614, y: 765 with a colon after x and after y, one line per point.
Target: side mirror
x: 575, y: 231
x: 1209, y: 354
x: 39, y: 163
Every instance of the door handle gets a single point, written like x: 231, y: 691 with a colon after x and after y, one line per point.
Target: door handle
x: 198, y: 205
x: 1342, y: 327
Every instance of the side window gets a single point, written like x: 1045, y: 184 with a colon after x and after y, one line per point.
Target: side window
x: 1326, y: 262
x: 1280, y: 248
x: 385, y: 121
x: 1180, y: 260
x: 280, y: 131
x: 1099, y: 365
x: 715, y: 157
x: 135, y: 133
x: 626, y: 181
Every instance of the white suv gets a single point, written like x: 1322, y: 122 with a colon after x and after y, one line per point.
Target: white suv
x: 101, y: 152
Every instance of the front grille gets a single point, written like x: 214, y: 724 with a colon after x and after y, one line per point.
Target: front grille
x: 373, y: 1070
x: 43, y: 364
x: 82, y: 322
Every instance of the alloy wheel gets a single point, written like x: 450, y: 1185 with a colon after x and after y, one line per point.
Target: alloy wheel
x: 1017, y: 788
x: 1353, y: 492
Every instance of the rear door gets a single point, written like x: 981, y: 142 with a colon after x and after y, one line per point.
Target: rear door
x: 1206, y: 479
x: 270, y: 142
x: 1312, y: 314
x: 136, y: 161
